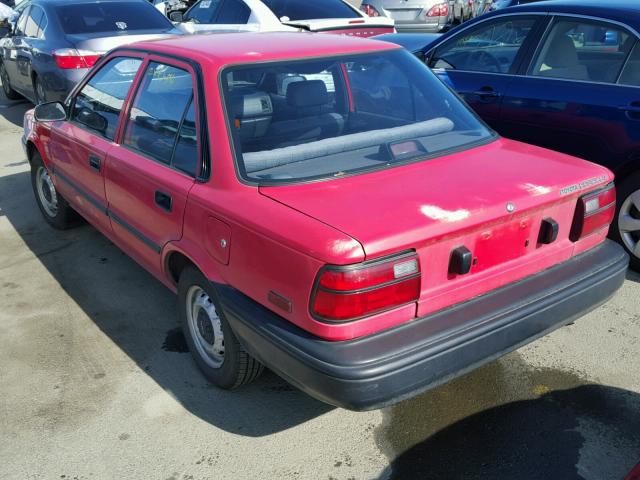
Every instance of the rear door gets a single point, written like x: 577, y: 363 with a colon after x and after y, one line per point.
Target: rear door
x: 12, y: 45
x: 480, y: 61
x: 152, y: 169
x: 29, y: 47
x: 80, y: 145
x: 580, y: 94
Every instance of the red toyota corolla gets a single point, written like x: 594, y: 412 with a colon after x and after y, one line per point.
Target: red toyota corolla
x: 325, y: 207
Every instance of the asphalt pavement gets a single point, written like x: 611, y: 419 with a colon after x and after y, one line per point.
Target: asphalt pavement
x: 95, y: 383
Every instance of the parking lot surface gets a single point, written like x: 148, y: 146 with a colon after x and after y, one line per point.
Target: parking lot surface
x: 96, y: 382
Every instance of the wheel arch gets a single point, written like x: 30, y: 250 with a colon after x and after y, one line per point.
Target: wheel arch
x: 177, y: 259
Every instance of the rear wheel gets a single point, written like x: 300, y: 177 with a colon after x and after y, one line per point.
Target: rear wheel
x: 54, y: 207
x: 626, y: 225
x: 9, y: 92
x: 214, y: 346
x: 39, y: 91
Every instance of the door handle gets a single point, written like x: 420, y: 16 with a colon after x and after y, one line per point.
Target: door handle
x: 487, y: 93
x: 94, y: 162
x: 632, y: 110
x: 163, y: 200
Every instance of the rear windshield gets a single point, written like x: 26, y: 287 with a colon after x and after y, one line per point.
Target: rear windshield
x: 117, y: 17
x: 310, y: 10
x: 331, y: 117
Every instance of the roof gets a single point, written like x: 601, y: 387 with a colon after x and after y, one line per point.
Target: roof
x: 230, y: 48
x: 626, y: 11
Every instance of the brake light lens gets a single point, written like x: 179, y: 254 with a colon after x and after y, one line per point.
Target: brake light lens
x: 594, y: 212
x: 71, y: 58
x: 440, y: 10
x: 349, y: 293
x: 369, y: 10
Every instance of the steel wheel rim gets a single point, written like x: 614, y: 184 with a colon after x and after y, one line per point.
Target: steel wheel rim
x: 5, y: 79
x: 629, y: 223
x: 46, y: 192
x: 205, y: 326
x: 40, y: 91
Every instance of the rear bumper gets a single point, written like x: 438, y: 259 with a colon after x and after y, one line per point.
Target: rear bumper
x: 422, y: 27
x: 395, y: 364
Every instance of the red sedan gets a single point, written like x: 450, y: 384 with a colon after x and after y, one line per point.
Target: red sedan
x: 324, y: 206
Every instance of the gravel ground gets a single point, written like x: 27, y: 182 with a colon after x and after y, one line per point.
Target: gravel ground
x: 96, y: 383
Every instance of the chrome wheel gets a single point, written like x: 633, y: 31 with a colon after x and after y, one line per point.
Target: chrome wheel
x: 629, y: 223
x: 40, y: 93
x: 46, y: 192
x: 205, y: 326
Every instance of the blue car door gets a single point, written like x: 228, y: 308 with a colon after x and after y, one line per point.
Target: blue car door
x: 479, y: 61
x: 580, y: 93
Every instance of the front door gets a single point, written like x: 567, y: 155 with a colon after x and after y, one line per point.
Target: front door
x: 79, y: 145
x: 150, y: 173
x: 479, y: 61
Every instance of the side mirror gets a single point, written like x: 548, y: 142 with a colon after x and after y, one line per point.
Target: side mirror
x: 50, y: 112
x: 177, y: 17
x: 92, y: 120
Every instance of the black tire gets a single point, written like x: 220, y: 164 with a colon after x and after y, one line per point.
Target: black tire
x: 238, y: 367
x: 9, y: 92
x: 39, y: 92
x: 64, y: 216
x: 625, y: 188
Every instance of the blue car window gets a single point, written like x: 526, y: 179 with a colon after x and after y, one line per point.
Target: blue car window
x: 583, y: 50
x: 631, y: 73
x: 491, y: 47
x: 98, y: 105
x: 157, y: 111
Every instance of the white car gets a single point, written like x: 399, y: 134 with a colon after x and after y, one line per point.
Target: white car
x: 330, y: 16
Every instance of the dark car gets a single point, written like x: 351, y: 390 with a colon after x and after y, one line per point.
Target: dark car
x: 55, y: 42
x: 560, y: 74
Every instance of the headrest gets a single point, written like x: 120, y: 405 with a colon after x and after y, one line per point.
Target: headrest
x: 308, y: 93
x: 251, y: 105
x: 562, y: 52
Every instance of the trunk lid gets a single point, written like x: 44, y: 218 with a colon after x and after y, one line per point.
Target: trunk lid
x: 408, y: 10
x: 491, y: 200
x: 361, y: 27
x: 102, y: 42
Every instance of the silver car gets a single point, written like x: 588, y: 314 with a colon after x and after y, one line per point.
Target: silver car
x: 421, y: 15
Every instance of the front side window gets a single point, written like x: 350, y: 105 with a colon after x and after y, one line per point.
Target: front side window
x: 491, y: 47
x: 155, y: 120
x: 97, y: 106
x: 308, y: 10
x: 583, y: 50
x: 331, y: 117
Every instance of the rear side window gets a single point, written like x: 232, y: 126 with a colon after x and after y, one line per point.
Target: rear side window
x: 583, y: 50
x: 33, y: 22
x: 205, y: 11
x: 156, y: 120
x: 631, y: 73
x: 100, y: 101
x: 234, y: 12
x: 491, y: 47
x: 110, y: 17
x: 310, y: 10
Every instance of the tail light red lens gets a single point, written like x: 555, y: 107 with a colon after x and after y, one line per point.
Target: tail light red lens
x: 70, y: 58
x: 350, y: 293
x: 369, y: 10
x: 594, y: 212
x: 440, y: 10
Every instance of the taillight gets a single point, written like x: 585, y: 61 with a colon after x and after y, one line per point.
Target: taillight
x: 440, y: 10
x: 349, y: 293
x: 70, y: 58
x: 594, y: 212
x: 369, y: 10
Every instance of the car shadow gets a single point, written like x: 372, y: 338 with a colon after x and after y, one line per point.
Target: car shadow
x: 633, y: 276
x: 513, y: 422
x: 13, y: 110
x: 138, y: 314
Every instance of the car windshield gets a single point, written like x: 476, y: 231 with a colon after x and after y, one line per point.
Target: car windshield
x: 307, y: 10
x: 117, y: 17
x: 313, y: 119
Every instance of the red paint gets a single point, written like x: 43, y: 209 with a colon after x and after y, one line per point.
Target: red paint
x: 281, y: 237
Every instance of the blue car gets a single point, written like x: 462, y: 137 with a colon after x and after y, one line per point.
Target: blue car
x: 561, y: 74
